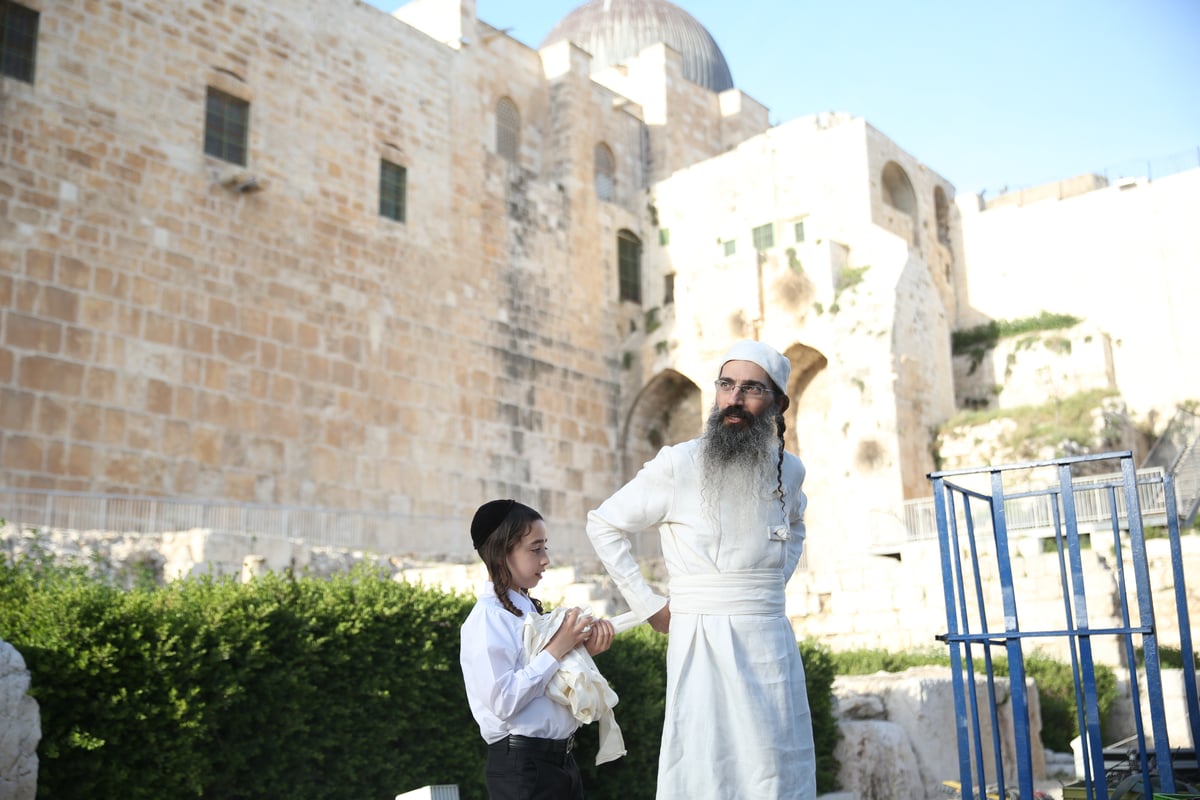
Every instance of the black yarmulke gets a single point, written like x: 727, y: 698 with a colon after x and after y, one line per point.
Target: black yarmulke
x: 488, y: 518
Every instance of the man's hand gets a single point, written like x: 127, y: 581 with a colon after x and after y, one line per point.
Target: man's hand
x: 600, y: 637
x: 661, y: 620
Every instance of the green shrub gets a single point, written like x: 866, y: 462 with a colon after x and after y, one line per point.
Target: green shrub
x: 636, y: 669
x: 819, y: 673
x: 987, y: 335
x: 297, y: 688
x: 1168, y: 657
x: 1056, y: 693
x: 868, y: 661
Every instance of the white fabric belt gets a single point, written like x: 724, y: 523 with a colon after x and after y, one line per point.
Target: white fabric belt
x: 755, y: 591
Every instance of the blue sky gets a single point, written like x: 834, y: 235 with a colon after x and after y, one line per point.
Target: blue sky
x: 989, y: 95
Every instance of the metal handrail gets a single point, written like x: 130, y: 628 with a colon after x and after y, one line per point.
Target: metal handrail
x: 81, y: 511
x: 1031, y: 513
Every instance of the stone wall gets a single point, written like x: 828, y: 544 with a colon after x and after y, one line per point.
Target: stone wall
x: 176, y: 325
x: 899, y: 733
x: 1119, y: 257
x: 898, y: 603
x: 164, y: 333
x: 1031, y: 369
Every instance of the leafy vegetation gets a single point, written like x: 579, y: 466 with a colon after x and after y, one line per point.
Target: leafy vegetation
x: 1049, y: 425
x: 986, y: 336
x: 1168, y: 657
x: 977, y: 341
x: 285, y: 686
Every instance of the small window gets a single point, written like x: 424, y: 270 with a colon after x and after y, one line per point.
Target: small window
x: 668, y: 288
x: 730, y: 246
x: 800, y: 231
x: 664, y: 236
x: 605, y: 167
x: 393, y: 180
x: 18, y: 40
x: 764, y: 237
x: 226, y: 127
x: 508, y: 129
x: 942, y: 211
x: 629, y: 266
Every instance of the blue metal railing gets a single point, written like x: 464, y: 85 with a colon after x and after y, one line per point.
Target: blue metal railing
x: 981, y: 624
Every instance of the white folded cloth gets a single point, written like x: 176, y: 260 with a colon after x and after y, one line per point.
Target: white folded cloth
x: 578, y: 684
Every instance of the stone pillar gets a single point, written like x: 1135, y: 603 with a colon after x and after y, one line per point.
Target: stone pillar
x: 22, y: 728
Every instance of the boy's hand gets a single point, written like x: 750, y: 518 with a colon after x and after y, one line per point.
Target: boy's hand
x: 571, y: 633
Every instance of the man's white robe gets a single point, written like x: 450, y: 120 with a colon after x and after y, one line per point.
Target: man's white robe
x: 738, y: 725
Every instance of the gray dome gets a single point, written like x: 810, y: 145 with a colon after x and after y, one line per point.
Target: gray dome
x: 614, y: 31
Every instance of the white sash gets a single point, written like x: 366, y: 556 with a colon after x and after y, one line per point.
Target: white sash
x: 754, y: 591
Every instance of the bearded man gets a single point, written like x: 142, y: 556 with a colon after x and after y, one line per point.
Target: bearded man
x: 730, y: 512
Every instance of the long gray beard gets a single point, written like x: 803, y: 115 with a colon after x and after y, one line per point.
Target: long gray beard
x: 738, y: 468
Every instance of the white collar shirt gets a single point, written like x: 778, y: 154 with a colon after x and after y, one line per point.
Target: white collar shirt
x: 506, y: 695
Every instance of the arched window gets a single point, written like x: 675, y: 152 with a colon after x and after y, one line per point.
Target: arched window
x: 508, y: 129
x: 898, y: 190
x: 605, y: 167
x: 629, y: 266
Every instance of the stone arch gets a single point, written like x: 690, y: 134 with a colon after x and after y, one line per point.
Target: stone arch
x: 806, y: 364
x: 898, y: 196
x: 605, y: 168
x: 508, y: 129
x: 898, y: 190
x: 668, y: 410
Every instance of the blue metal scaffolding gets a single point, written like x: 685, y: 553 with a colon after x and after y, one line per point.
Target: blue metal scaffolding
x: 982, y: 624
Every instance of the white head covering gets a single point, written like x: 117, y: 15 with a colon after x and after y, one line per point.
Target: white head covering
x: 767, y: 357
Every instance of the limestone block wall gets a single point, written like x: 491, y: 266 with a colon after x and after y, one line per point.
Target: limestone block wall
x: 899, y: 732
x: 859, y: 303
x: 687, y: 122
x: 898, y: 603
x: 741, y: 118
x: 1030, y: 369
x: 1121, y: 258
x: 165, y: 334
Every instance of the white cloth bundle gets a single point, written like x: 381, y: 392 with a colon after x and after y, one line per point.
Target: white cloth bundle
x: 577, y: 684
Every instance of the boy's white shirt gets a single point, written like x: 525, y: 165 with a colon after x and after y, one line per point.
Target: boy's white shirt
x: 577, y: 684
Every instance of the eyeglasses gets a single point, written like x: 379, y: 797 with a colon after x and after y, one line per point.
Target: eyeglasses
x: 749, y: 390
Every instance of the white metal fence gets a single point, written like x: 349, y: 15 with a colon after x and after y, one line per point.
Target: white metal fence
x: 1092, y: 502
x: 77, y: 511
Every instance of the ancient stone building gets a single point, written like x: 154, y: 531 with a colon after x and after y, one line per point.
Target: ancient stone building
x: 310, y: 254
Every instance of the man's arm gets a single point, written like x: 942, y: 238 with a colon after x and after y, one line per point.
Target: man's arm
x: 639, y: 505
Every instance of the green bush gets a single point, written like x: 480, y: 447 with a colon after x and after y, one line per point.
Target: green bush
x: 1056, y: 693
x: 819, y: 672
x: 281, y: 687
x: 297, y: 688
x: 987, y: 335
x: 636, y: 669
x: 868, y: 662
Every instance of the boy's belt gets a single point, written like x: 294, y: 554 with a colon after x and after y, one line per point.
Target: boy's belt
x: 557, y: 747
